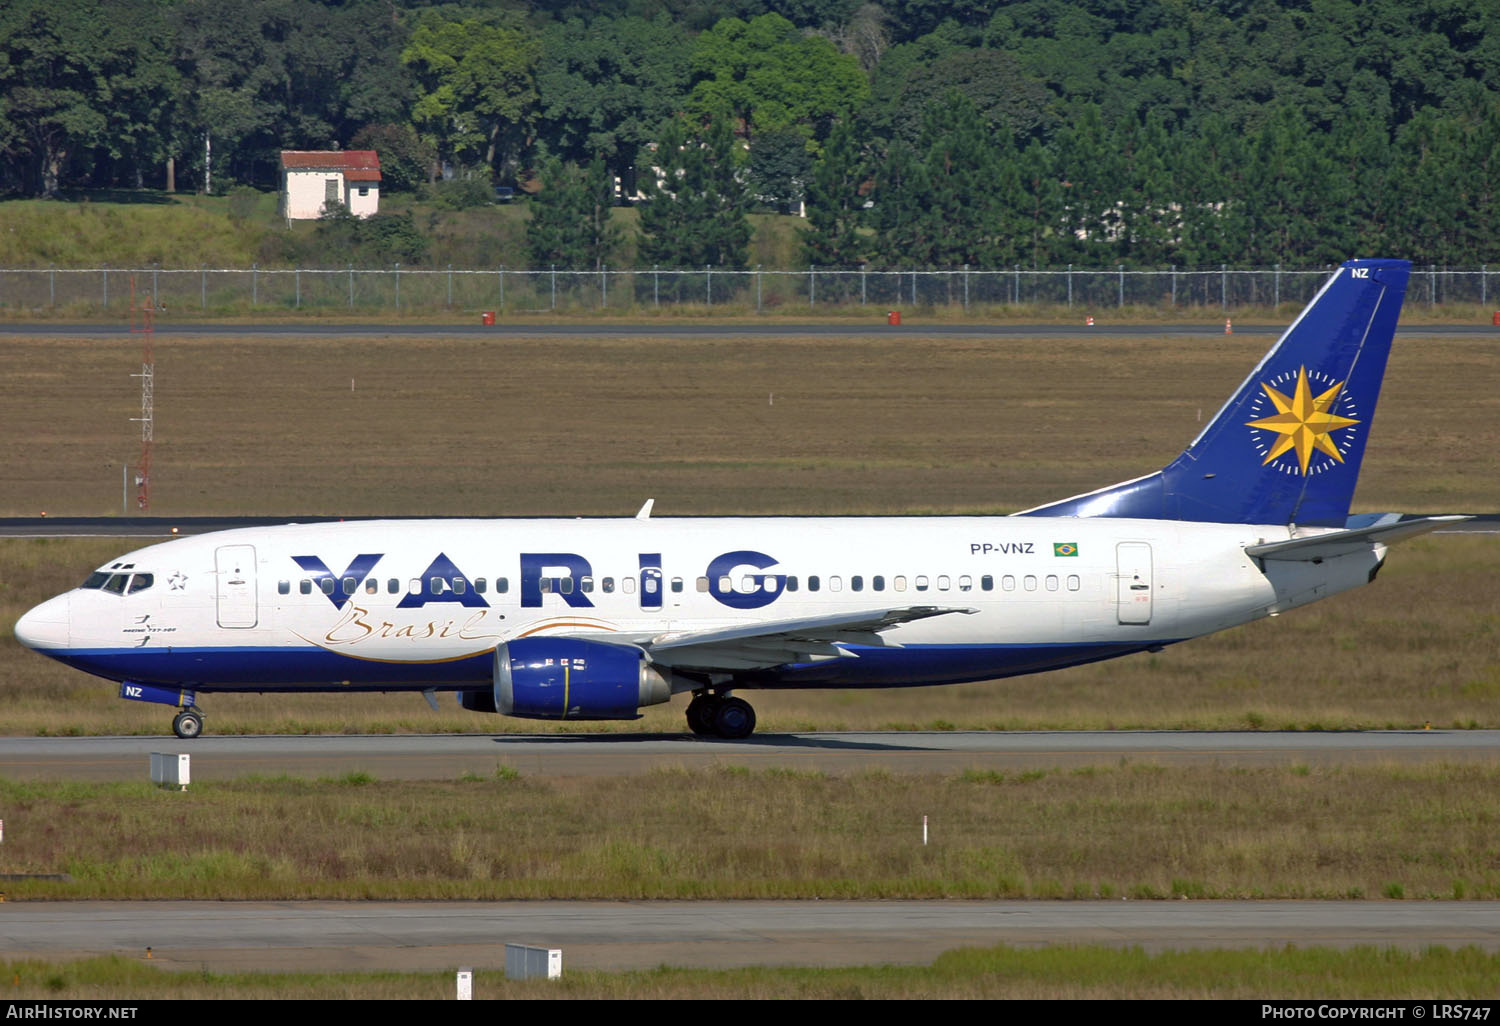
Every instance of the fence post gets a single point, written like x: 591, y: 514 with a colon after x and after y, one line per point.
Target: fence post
x: 757, y: 288
x: 398, y: 286
x: 450, y: 286
x: 104, y: 276
x: 254, y: 285
x: 812, y: 286
x: 655, y: 286
x: 297, y: 277
x: 1018, y: 285
x: 1070, y: 285
x: 708, y: 283
x: 603, y: 286
x: 155, y: 288
x: 862, y: 269
x: 1276, y: 292
x: 913, y: 287
x: 966, y: 288
x: 351, y: 286
x: 52, y: 286
x: 1483, y: 300
x: 1432, y: 285
x: 1174, y: 285
x: 203, y: 286
x: 1224, y: 287
x: 502, y: 287
x: 554, y: 286
x: 1121, y: 268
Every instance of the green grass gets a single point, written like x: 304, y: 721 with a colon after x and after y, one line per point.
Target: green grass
x: 1058, y: 971
x: 1139, y: 830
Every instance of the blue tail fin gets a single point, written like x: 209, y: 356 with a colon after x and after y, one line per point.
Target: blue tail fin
x: 1287, y: 447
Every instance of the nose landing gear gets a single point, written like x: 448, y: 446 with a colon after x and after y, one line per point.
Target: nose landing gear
x: 188, y: 724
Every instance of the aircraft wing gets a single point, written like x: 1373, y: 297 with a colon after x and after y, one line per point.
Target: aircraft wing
x: 776, y: 642
x: 1341, y: 543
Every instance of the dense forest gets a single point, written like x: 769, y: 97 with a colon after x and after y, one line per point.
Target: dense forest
x: 917, y: 133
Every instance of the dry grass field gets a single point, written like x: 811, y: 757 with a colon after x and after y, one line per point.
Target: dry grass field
x: 862, y: 424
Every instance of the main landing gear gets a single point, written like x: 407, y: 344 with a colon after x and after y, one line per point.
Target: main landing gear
x: 188, y: 724
x: 720, y: 716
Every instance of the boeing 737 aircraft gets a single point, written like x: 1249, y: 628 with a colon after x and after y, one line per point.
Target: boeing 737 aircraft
x: 593, y: 619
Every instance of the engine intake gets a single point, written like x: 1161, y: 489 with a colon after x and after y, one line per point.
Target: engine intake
x: 570, y: 679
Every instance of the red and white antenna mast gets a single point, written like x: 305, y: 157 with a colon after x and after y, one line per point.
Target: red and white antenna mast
x: 141, y: 323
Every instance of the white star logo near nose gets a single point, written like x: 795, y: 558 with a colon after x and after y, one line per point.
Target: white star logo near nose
x: 178, y: 581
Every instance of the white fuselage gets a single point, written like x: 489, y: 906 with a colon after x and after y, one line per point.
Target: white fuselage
x: 423, y: 604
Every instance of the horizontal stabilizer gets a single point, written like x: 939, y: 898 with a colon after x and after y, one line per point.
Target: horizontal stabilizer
x: 1342, y: 543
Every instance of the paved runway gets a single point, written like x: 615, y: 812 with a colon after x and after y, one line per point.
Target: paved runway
x: 708, y: 934
x: 447, y: 756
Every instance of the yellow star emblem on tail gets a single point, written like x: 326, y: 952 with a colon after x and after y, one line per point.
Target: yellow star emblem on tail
x: 1303, y: 421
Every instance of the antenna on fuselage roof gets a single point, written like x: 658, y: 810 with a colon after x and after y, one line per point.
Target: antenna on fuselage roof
x: 645, y: 513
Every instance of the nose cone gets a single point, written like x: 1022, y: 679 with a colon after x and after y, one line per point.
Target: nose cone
x: 46, y: 626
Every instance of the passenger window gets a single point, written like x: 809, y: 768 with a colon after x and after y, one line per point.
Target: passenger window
x: 414, y: 586
x: 392, y: 586
x: 1030, y: 582
x: 987, y: 583
x: 857, y: 583
x: 878, y: 583
x: 677, y: 585
x: 650, y: 586
x: 1073, y: 582
x: 1051, y: 582
x: 835, y: 583
x: 502, y: 585
x: 812, y: 582
x: 372, y: 586
x: 304, y: 586
x: 460, y: 585
x: 703, y: 584
x: 349, y: 585
x: 480, y: 585
x: 748, y: 585
x: 283, y: 587
x: 791, y: 582
x: 327, y: 584
x: 565, y: 585
x: 1008, y: 583
x: 943, y: 582
x: 966, y: 583
x: 608, y: 585
x: 627, y: 585
x: 921, y: 582
x: 437, y: 585
x: 546, y: 583
x: 725, y: 584
x: 587, y: 584
x: 898, y: 583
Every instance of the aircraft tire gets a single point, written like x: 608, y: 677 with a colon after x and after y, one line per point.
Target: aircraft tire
x: 187, y: 724
x: 734, y: 719
x: 700, y: 714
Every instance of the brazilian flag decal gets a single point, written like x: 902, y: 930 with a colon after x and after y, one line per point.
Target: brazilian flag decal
x: 1065, y: 548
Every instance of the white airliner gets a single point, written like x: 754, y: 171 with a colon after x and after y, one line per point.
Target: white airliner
x: 593, y: 619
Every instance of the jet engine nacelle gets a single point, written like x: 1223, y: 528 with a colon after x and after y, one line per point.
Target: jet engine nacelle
x: 565, y: 678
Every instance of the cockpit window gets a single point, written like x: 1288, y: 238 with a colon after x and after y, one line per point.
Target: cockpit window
x: 95, y: 580
x: 116, y: 583
x: 140, y: 582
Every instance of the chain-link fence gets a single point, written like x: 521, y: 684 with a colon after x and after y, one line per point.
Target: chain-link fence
x: 207, y: 290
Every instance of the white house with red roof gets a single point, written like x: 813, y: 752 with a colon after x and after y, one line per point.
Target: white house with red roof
x: 312, y: 178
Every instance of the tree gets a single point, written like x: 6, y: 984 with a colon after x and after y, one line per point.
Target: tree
x: 405, y: 160
x: 476, y: 85
x: 694, y: 213
x: 607, y: 86
x: 765, y: 75
x: 835, y: 203
x: 570, y: 223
